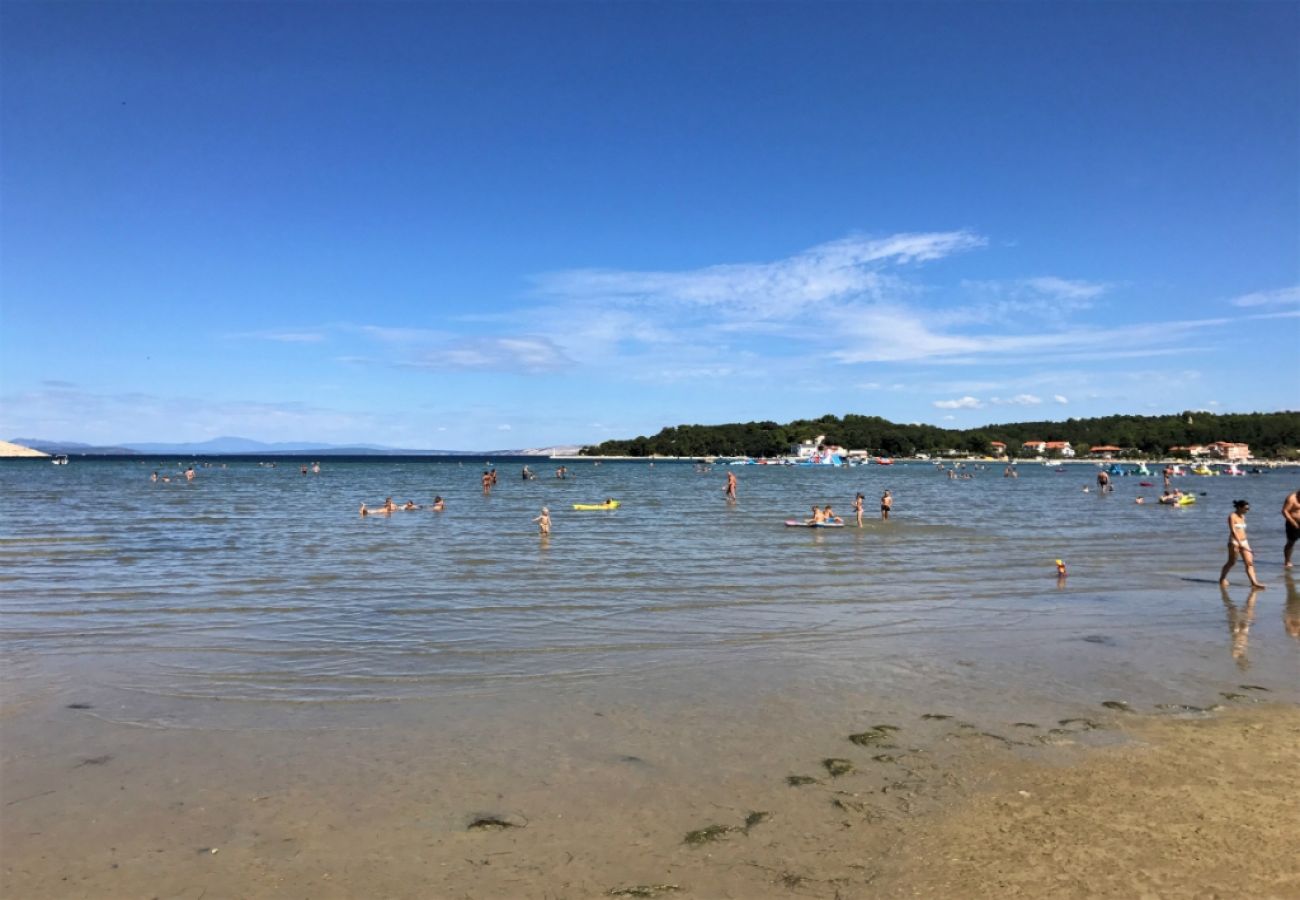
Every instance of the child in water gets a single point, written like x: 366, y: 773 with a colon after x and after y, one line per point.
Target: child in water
x: 544, y: 522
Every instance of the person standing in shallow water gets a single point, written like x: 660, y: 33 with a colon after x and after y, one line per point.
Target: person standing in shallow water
x: 731, y: 486
x: 544, y: 522
x: 1239, y: 545
x: 1291, y: 513
x: 886, y: 504
x: 857, y: 509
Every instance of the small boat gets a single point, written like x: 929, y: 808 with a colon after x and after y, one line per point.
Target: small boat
x: 608, y: 504
x: 1233, y: 469
x: 60, y: 460
x: 1203, y: 469
x: 884, y: 461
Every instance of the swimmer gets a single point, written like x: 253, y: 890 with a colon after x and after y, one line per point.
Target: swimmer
x: 364, y: 512
x: 189, y: 474
x: 153, y: 477
x: 857, y: 509
x: 389, y: 505
x: 828, y: 516
x: 886, y: 504
x: 1239, y: 545
x: 544, y: 522
x: 409, y: 505
x: 731, y: 486
x: 438, y: 505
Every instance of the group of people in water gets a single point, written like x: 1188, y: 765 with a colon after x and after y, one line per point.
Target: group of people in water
x: 389, y: 507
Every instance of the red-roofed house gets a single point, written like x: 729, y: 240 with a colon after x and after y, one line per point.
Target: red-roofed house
x: 999, y: 448
x: 1061, y: 447
x: 1104, y: 451
x: 1229, y: 451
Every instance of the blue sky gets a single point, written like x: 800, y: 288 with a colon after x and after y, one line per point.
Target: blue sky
x: 482, y: 226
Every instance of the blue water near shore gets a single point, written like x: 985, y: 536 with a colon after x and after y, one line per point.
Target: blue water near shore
x: 263, y: 587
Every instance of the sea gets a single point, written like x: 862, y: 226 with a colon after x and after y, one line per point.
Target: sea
x: 256, y: 596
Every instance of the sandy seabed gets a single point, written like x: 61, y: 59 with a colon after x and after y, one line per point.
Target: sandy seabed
x: 1174, y: 805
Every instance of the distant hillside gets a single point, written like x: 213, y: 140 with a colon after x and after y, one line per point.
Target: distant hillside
x: 1270, y: 435
x: 8, y: 449
x: 59, y: 448
x: 223, y: 446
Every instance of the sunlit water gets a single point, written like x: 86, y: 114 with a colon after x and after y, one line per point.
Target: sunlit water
x: 259, y: 587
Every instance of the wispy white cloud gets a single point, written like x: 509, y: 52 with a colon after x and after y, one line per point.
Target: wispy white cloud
x: 513, y: 354
x: 281, y: 336
x: 782, y: 289
x: 1286, y: 296
x: 1017, y: 400
x: 1060, y: 399
x: 960, y: 403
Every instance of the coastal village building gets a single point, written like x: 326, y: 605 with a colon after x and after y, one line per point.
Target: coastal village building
x: 816, y: 450
x: 1104, y: 451
x: 999, y: 448
x: 1232, y: 452
x: 1040, y: 447
x: 1229, y: 451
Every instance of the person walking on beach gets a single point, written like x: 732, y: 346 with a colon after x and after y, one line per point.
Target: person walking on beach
x: 886, y: 504
x: 731, y: 486
x: 1291, y: 513
x: 857, y: 509
x: 1239, y: 545
x: 544, y: 522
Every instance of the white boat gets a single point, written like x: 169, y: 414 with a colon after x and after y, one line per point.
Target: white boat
x: 60, y: 460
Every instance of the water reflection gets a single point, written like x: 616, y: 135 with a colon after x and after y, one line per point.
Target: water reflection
x: 1291, y: 612
x: 1239, y: 622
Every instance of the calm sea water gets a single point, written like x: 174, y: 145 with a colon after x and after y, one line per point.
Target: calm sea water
x: 263, y: 587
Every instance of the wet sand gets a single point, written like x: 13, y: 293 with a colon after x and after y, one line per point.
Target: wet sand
x: 601, y: 798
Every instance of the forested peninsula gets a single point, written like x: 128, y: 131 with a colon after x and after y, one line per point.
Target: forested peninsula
x: 1270, y: 436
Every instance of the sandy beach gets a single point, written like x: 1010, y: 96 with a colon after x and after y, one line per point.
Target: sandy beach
x: 1167, y: 804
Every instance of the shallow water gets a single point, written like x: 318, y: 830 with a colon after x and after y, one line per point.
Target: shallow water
x: 262, y: 588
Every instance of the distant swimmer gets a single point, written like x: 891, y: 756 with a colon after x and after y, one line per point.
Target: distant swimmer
x: 438, y: 505
x: 857, y: 509
x: 828, y: 516
x: 1291, y: 513
x: 189, y: 474
x: 1239, y: 545
x: 731, y: 486
x: 153, y: 477
x: 886, y: 504
x: 409, y: 505
x: 302, y: 470
x: 544, y: 522
x: 315, y: 468
x: 487, y: 482
x: 1103, y: 482
x: 364, y: 512
x: 389, y: 505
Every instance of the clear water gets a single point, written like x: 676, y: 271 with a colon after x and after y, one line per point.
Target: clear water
x: 259, y: 587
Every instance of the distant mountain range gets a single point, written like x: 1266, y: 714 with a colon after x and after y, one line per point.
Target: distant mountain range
x: 237, y: 445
